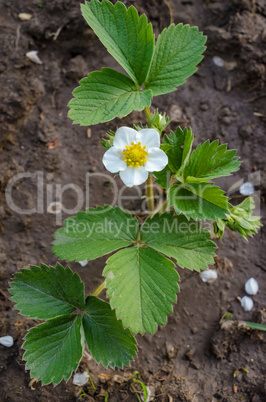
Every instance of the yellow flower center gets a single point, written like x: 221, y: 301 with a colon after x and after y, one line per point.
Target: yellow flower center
x: 135, y: 155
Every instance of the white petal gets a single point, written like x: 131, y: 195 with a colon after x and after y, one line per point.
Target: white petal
x: 149, y: 137
x: 112, y: 160
x: 156, y: 160
x: 134, y: 176
x: 124, y: 136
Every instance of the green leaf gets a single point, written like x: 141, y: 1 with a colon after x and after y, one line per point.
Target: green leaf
x: 141, y: 285
x: 108, y: 342
x: 55, y: 348
x: 180, y: 143
x: 104, y: 95
x: 177, y: 52
x: 128, y: 37
x: 199, y: 201
x: 180, y: 239
x: 95, y: 233
x: 210, y: 161
x: 47, y: 292
x: 255, y: 325
x: 163, y: 178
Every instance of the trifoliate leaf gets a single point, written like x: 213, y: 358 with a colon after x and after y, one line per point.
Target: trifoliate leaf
x: 180, y: 239
x: 95, y: 233
x: 104, y: 95
x: 54, y: 348
x: 141, y: 285
x: 198, y: 201
x: 46, y: 292
x: 177, y: 52
x: 128, y: 37
x: 108, y: 342
x: 210, y: 161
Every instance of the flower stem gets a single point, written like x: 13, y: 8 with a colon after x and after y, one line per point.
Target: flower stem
x: 149, y: 183
x: 161, y: 209
x: 149, y: 192
x: 99, y: 289
x: 148, y: 113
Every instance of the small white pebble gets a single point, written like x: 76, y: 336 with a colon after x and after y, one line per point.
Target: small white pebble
x: 246, y: 188
x: 33, y: 56
x: 218, y: 61
x: 247, y: 303
x: 7, y: 341
x: 209, y: 275
x: 24, y: 16
x: 251, y: 286
x: 81, y: 379
x: 55, y: 207
x: 83, y: 263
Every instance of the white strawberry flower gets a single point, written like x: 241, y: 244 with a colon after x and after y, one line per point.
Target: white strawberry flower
x: 134, y: 154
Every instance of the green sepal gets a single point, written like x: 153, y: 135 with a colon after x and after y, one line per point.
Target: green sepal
x: 158, y: 121
x: 107, y: 142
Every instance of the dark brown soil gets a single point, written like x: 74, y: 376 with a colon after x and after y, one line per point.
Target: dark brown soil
x: 191, y: 358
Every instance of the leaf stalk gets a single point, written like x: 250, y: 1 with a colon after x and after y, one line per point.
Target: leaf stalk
x: 99, y: 289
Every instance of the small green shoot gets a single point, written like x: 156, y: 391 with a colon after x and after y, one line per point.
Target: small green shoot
x: 145, y: 391
x: 91, y: 380
x: 254, y: 325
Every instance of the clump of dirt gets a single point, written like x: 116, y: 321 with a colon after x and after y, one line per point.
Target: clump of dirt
x: 191, y: 358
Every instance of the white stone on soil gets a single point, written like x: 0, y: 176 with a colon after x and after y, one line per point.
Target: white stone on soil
x: 247, y: 303
x: 218, y: 61
x: 7, y: 341
x: 246, y: 188
x: 33, y: 56
x: 209, y: 275
x: 251, y: 286
x: 80, y: 379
